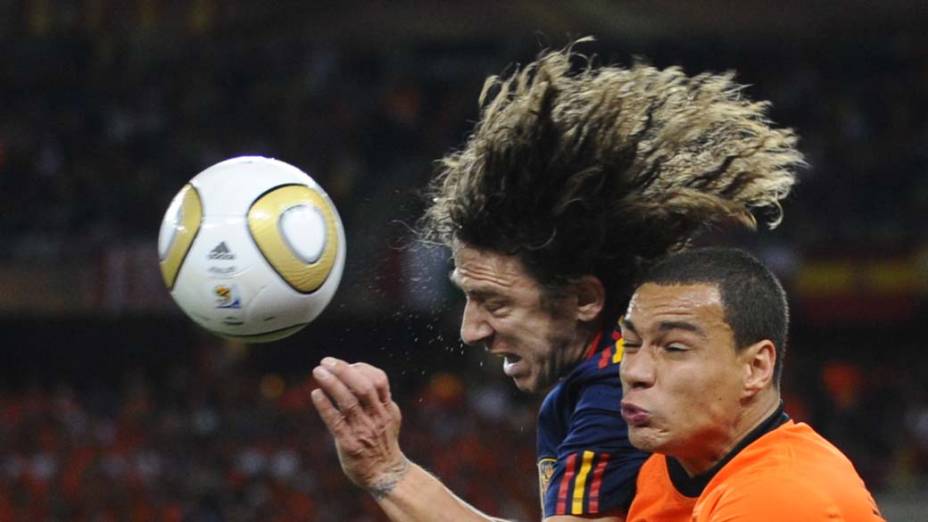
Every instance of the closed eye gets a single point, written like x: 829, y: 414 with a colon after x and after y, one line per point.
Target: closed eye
x: 496, y: 306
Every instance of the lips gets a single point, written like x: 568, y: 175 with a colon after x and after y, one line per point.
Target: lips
x: 635, y: 415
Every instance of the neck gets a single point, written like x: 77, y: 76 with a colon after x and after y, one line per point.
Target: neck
x: 587, y: 335
x: 713, y: 453
x: 575, y: 350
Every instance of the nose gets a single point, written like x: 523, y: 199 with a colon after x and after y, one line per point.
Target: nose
x: 474, y: 327
x: 637, y: 369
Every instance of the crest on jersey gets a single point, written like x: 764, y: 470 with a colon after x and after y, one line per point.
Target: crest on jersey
x: 545, y: 472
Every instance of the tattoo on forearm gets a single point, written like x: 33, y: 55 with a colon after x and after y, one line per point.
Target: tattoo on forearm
x: 385, y: 486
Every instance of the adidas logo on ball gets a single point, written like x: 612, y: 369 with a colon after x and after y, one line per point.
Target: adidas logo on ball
x: 221, y: 253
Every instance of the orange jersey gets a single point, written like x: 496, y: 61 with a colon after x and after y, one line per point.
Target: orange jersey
x: 789, y: 473
x: 656, y: 498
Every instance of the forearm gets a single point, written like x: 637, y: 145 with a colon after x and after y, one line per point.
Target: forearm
x: 417, y: 496
x: 354, y: 402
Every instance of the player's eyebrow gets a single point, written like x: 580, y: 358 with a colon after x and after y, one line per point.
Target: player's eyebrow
x: 665, y: 326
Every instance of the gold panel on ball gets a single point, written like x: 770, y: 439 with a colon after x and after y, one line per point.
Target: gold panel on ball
x: 263, y: 218
x: 191, y: 215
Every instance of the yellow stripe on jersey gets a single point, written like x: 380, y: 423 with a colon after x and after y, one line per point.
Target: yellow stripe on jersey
x: 619, y: 351
x: 576, y: 507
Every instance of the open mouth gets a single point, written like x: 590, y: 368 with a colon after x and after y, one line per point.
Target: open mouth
x: 511, y: 365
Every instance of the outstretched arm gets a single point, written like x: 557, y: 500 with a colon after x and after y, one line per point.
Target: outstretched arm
x: 355, y: 404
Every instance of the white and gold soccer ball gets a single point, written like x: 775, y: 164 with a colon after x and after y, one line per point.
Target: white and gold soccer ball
x: 252, y: 248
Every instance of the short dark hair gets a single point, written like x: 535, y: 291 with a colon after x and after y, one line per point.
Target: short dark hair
x: 580, y: 169
x: 753, y: 299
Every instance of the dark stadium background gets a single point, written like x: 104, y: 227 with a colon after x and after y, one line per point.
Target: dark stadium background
x: 113, y: 406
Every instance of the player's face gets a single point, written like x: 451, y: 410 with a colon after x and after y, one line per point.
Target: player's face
x: 681, y: 375
x: 505, y: 313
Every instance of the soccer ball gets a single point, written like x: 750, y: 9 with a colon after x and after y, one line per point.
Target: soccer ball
x: 252, y: 248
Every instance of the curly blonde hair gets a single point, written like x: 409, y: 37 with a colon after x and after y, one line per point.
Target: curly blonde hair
x: 595, y: 170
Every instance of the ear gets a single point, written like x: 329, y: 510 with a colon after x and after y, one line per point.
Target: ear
x: 758, y: 361
x: 591, y: 297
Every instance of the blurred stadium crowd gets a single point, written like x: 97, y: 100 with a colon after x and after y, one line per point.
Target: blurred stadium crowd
x: 218, y: 442
x: 103, y: 122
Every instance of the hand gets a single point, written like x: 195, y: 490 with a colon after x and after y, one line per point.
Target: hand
x: 354, y: 402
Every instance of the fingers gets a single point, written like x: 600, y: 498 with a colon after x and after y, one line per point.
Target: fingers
x: 330, y: 415
x: 369, y: 385
x: 339, y: 394
x: 378, y: 378
x: 352, y: 390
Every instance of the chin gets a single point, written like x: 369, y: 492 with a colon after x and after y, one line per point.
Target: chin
x: 529, y: 385
x: 644, y: 439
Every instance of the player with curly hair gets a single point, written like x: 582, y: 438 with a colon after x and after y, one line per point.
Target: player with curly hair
x: 573, y: 179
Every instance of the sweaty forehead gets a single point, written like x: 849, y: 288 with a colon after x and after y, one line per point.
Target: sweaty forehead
x: 481, y: 267
x: 653, y: 303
